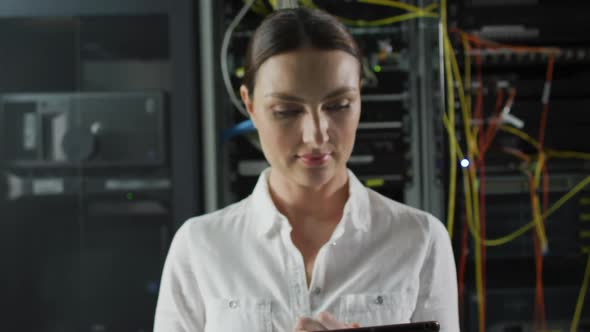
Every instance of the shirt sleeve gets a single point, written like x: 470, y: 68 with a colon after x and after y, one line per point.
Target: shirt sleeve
x: 180, y: 306
x: 437, y: 297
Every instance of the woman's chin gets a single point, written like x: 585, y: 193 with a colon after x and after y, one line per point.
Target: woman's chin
x: 316, y: 177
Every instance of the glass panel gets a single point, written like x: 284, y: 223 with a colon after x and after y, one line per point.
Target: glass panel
x: 84, y: 173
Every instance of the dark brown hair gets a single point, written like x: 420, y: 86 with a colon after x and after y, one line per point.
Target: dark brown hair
x: 292, y: 29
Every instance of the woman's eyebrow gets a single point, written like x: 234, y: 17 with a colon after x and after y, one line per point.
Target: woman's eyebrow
x: 339, y: 92
x: 289, y: 97
x: 285, y: 96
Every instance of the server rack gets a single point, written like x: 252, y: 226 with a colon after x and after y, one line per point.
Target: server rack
x: 100, y: 158
x: 532, y: 38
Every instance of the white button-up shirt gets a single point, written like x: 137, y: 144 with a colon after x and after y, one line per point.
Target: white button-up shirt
x: 237, y: 269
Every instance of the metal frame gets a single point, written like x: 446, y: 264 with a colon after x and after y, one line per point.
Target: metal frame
x: 431, y: 128
x: 186, y: 143
x: 208, y: 105
x: 412, y: 191
x: 426, y: 190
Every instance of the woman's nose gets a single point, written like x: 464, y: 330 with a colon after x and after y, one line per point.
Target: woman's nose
x: 315, y: 129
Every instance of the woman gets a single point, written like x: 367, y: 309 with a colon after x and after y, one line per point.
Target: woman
x: 311, y: 249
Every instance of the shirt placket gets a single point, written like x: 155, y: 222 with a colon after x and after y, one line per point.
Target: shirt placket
x: 305, y: 301
x: 317, y: 289
x: 316, y: 286
x: 296, y: 276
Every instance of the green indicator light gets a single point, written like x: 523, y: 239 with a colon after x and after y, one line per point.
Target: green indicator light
x: 372, y: 183
x: 129, y: 196
x: 240, y: 72
x: 377, y: 68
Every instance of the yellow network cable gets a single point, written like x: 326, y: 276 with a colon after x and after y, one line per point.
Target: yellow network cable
x: 468, y: 203
x: 510, y: 237
x: 581, y: 296
x: 471, y: 186
x: 466, y: 181
x: 431, y: 7
x: 479, y: 276
x: 469, y: 176
x: 568, y: 154
x: 465, y: 106
x: 470, y: 198
x: 522, y: 135
x: 400, y: 5
x: 453, y: 149
x: 549, y: 152
x: 472, y: 179
x: 457, y: 79
x: 470, y: 135
x: 413, y: 12
x: 467, y: 61
x: 539, y: 225
x: 385, y: 21
x: 541, y: 159
x: 538, y: 220
x: 308, y: 3
x: 453, y: 139
x: 451, y: 122
x: 259, y: 8
x: 470, y: 132
x: 470, y: 217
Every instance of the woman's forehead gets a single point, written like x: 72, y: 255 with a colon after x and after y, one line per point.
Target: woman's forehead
x: 308, y: 70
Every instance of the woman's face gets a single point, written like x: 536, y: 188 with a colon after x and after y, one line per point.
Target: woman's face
x: 306, y: 107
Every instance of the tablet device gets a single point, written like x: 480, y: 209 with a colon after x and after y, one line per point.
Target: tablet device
x: 410, y: 327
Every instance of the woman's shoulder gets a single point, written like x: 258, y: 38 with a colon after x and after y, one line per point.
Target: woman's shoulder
x: 217, y: 223
x: 400, y: 214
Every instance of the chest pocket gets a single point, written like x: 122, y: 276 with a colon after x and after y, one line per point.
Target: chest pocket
x: 239, y: 314
x: 377, y: 308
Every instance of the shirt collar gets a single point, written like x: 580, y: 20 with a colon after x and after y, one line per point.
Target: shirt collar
x: 267, y: 218
x: 265, y: 213
x: 358, y: 204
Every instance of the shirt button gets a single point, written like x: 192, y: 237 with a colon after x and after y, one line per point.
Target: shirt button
x: 317, y: 291
x: 379, y: 300
x: 233, y: 304
x: 333, y: 243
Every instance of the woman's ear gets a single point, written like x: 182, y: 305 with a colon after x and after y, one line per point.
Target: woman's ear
x: 244, y: 93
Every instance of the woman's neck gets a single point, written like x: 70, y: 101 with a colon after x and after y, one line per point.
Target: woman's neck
x: 301, y: 203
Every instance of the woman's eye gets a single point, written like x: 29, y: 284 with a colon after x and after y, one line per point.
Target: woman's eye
x: 287, y: 113
x: 337, y: 107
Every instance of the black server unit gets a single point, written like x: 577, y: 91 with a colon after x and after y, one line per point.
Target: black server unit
x: 510, y: 34
x: 98, y: 150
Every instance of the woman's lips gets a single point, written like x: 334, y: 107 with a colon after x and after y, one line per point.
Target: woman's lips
x: 315, y: 160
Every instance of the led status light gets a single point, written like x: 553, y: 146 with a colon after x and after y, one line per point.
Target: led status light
x: 464, y: 163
